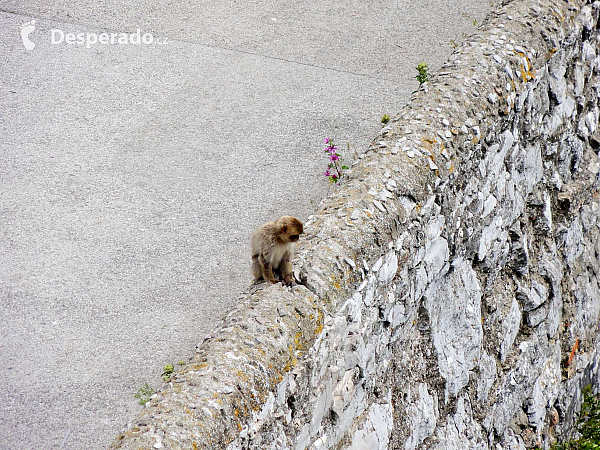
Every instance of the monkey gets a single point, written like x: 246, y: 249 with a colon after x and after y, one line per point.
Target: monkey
x: 273, y: 249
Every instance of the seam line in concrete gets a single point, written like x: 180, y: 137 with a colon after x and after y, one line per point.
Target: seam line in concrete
x: 187, y: 41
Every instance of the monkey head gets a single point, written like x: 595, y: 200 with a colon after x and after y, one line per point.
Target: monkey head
x: 289, y: 228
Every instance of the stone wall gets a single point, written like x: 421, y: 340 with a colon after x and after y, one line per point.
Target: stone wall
x: 448, y: 291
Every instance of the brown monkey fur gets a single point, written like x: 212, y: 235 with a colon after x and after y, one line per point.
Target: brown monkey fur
x: 273, y: 249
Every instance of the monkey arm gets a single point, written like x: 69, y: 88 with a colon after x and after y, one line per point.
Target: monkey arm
x: 267, y: 270
x: 286, y: 268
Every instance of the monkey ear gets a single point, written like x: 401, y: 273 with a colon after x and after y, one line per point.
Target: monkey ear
x: 284, y: 229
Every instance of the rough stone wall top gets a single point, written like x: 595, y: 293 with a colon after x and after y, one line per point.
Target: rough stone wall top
x: 444, y: 286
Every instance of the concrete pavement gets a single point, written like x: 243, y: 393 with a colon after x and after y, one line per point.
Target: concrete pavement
x: 132, y: 175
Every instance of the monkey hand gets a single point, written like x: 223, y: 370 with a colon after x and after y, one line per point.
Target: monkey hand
x: 288, y: 281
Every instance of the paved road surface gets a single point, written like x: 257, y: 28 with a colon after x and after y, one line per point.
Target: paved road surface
x: 131, y: 175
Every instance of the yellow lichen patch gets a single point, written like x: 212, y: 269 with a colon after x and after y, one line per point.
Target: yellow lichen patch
x: 523, y: 74
x: 263, y: 397
x: 335, y: 281
x: 194, y: 445
x: 428, y: 144
x: 552, y: 52
x: 242, y: 376
x: 319, y: 323
x: 300, y: 345
x: 290, y: 364
x: 451, y: 168
x: 274, y: 381
x: 526, y: 74
x: 530, y: 70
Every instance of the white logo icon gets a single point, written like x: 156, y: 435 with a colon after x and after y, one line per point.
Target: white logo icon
x: 26, y: 30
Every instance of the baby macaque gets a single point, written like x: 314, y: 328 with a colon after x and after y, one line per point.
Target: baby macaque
x: 273, y: 249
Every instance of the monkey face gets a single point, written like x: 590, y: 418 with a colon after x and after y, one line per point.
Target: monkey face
x: 290, y: 228
x: 292, y: 234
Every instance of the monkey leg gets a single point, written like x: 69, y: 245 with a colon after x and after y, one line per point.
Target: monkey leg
x: 256, y: 270
x: 266, y: 269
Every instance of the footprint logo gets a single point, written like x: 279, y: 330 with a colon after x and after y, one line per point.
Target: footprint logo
x: 26, y: 30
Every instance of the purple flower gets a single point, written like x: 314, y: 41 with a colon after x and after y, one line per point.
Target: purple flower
x: 333, y: 172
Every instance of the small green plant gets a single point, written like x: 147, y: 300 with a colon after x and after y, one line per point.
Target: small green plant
x: 588, y: 425
x: 335, y: 168
x: 144, y: 393
x: 423, y: 73
x: 181, y: 363
x: 589, y: 417
x: 453, y: 44
x: 168, y: 372
x: 385, y: 119
x: 470, y: 17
